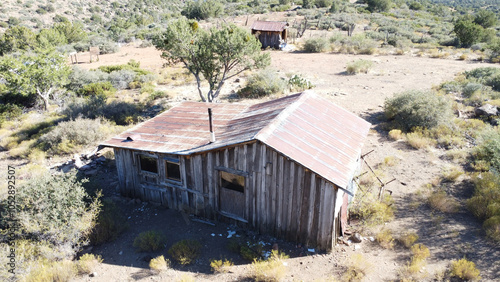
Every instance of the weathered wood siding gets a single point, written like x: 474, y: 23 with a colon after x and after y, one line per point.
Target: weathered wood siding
x: 270, y: 39
x: 281, y: 197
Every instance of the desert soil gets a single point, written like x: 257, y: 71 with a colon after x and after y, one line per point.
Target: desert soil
x: 449, y: 237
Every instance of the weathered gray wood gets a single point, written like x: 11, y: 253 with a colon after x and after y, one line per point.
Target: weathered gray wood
x: 271, y: 210
x: 210, y: 182
x: 280, y: 211
x: 291, y: 196
x: 298, y: 199
x: 310, y: 208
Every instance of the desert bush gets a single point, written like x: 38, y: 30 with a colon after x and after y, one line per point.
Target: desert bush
x: 492, y: 226
x: 70, y: 136
x: 451, y: 174
x: 121, y: 78
x: 272, y: 269
x: 79, y: 78
x: 221, y: 266
x: 439, y: 200
x: 408, y: 239
x: 396, y: 134
x: 373, y: 211
x: 263, y: 83
x: 63, y: 270
x: 470, y: 88
x: 97, y: 88
x: 385, y: 239
x: 105, y: 45
x: 149, y: 241
x: 418, y: 140
x: 87, y: 263
x: 315, y: 45
x: 185, y: 251
x: 159, y: 264
x: 122, y: 113
x: 359, y: 66
x: 55, y: 210
x: 358, y: 268
x: 420, y: 251
x: 412, y: 109
x: 109, y: 224
x: 465, y: 270
x: 488, y: 150
x: 9, y: 112
x: 485, y: 203
x: 298, y: 83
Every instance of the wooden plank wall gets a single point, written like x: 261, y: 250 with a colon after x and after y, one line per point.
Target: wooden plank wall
x: 270, y: 39
x: 282, y: 198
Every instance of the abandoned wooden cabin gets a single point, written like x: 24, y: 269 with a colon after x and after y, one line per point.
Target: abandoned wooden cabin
x: 283, y: 167
x: 270, y: 34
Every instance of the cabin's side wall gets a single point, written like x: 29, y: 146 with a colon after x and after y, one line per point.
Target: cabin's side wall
x: 269, y: 39
x: 281, y: 197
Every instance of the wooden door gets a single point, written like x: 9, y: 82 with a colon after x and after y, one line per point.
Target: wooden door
x: 232, y: 194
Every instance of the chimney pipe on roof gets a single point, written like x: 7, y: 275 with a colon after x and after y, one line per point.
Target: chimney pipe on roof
x: 212, y: 134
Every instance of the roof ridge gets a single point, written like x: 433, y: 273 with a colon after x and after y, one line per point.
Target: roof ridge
x: 267, y: 131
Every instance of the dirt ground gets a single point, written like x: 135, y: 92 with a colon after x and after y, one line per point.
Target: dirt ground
x: 449, y: 237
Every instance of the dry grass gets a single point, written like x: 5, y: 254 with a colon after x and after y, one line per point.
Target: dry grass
x: 439, y: 200
x: 159, y: 264
x: 272, y: 269
x: 87, y: 263
x: 465, y: 270
x: 221, y: 266
x: 396, y: 134
x: 451, y: 174
x: 408, y: 239
x: 385, y: 239
x: 418, y: 141
x: 358, y: 268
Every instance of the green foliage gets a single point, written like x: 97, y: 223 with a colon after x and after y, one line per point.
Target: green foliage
x: 492, y: 226
x: 9, y: 111
x: 185, y: 251
x: 412, y: 109
x: 69, y: 136
x: 263, y: 83
x: 150, y: 241
x: 122, y: 113
x: 408, y: 239
x: 79, y: 77
x: 109, y: 225
x: 372, y: 211
x: 385, y: 239
x: 49, y: 38
x: 465, y: 270
x: 467, y: 31
x: 35, y: 74
x: 17, y: 38
x: 315, y: 45
x: 216, y: 55
x: 159, y: 264
x: 488, y: 150
x: 485, y: 18
x: 359, y: 66
x: 73, y: 32
x: 97, y: 88
x: 54, y: 209
x: 378, y: 5
x: 203, y: 10
x: 299, y: 83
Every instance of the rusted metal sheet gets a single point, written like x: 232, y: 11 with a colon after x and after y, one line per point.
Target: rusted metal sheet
x: 269, y: 26
x: 304, y: 127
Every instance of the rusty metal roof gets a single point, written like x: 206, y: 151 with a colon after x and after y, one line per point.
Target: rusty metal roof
x: 269, y: 26
x: 305, y: 127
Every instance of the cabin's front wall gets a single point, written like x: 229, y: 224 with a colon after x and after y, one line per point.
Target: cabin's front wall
x: 280, y: 197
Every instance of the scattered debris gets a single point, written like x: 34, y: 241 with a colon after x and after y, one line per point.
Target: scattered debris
x: 311, y: 250
x: 230, y: 233
x: 356, y: 238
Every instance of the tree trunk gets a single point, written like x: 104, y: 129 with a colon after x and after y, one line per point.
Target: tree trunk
x: 45, y: 97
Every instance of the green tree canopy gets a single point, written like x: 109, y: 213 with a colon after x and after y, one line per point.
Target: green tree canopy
x: 467, y: 31
x: 34, y: 74
x: 378, y: 5
x: 485, y: 18
x: 17, y: 38
x: 216, y: 55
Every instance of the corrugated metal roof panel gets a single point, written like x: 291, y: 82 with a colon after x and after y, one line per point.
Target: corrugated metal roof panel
x: 269, y: 26
x: 308, y: 129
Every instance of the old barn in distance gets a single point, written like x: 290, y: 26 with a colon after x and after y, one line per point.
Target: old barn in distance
x: 282, y: 167
x: 270, y: 34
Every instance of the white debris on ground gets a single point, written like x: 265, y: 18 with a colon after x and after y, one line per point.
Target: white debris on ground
x: 230, y: 233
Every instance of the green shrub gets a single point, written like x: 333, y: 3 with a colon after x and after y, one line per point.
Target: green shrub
x: 412, y: 109
x: 470, y: 88
x: 263, y: 83
x: 159, y: 264
x: 298, y: 83
x: 55, y: 210
x: 221, y: 266
x: 70, y: 136
x: 488, y: 150
x: 359, y: 66
x: 110, y: 223
x: 79, y: 77
x: 97, y: 88
x: 121, y: 78
x: 149, y: 241
x: 373, y: 211
x: 492, y: 226
x: 185, y: 251
x: 486, y: 199
x: 9, y: 111
x: 315, y: 45
x: 272, y: 269
x: 465, y: 269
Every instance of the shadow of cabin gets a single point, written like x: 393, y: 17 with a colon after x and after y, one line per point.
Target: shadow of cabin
x: 270, y: 34
x: 283, y: 167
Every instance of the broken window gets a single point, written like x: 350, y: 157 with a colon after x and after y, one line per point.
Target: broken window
x: 173, y: 170
x: 232, y: 181
x: 148, y: 164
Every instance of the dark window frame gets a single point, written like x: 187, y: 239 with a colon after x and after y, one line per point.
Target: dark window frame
x: 224, y: 183
x: 171, y: 161
x: 143, y: 169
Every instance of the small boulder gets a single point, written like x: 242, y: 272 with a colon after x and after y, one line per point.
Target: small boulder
x: 486, y: 110
x: 93, y: 274
x: 356, y: 238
